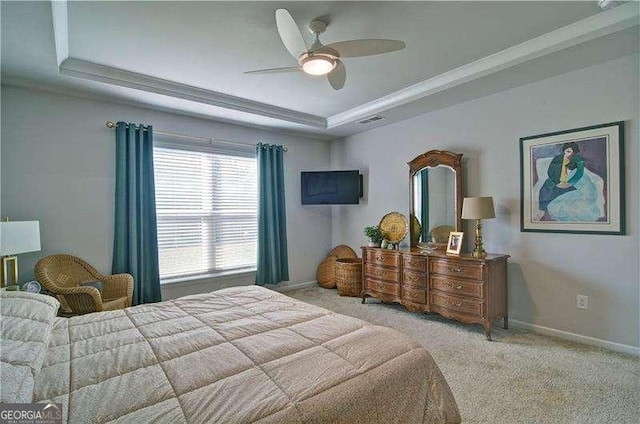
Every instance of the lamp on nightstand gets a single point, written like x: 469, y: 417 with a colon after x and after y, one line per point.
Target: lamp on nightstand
x: 16, y: 237
x: 478, y: 208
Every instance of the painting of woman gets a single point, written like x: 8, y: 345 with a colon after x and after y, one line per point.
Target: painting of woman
x: 570, y: 192
x: 572, y: 181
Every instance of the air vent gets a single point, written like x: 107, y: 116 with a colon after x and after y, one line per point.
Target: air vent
x: 371, y: 119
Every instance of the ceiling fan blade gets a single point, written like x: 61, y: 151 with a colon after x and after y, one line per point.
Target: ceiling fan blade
x: 290, y: 33
x: 338, y: 76
x: 275, y: 70
x: 357, y: 48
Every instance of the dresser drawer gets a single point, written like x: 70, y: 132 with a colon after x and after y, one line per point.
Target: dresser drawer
x: 456, y: 286
x: 458, y: 304
x: 382, y: 257
x: 413, y: 294
x: 382, y: 273
x: 460, y: 269
x: 414, y: 262
x: 382, y: 287
x: 414, y: 278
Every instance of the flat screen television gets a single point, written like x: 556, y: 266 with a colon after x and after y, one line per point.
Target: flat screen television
x: 331, y: 187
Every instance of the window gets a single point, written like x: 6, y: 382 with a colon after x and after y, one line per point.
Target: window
x: 207, y: 208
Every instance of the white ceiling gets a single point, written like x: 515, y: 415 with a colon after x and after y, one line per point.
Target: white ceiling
x: 190, y: 56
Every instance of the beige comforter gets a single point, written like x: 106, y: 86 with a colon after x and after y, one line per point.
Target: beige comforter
x: 238, y: 355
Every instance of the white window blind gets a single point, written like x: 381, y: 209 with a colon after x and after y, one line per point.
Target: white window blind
x: 207, y: 208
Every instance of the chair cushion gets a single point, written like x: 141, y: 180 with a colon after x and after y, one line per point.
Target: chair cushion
x: 113, y: 304
x: 27, y: 323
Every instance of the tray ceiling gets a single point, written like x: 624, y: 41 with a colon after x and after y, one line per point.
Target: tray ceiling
x: 190, y: 56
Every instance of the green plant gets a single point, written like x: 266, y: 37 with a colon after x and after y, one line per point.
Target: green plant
x: 374, y: 233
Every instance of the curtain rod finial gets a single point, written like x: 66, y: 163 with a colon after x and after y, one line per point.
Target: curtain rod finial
x: 110, y: 124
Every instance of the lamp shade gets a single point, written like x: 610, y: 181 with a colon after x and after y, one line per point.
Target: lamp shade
x: 478, y: 208
x: 19, y: 237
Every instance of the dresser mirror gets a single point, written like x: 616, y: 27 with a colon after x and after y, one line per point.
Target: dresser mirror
x: 435, y: 180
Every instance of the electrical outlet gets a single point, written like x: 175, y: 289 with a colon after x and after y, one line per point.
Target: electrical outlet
x: 582, y: 302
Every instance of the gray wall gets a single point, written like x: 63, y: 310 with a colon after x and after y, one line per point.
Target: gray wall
x: 58, y: 167
x: 546, y: 270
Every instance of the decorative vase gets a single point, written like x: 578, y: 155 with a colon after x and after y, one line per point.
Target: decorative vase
x: 384, y: 244
x: 374, y: 243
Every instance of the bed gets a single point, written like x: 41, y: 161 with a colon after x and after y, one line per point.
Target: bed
x: 242, y: 354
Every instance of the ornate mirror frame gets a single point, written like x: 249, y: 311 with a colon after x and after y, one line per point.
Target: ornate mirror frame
x: 434, y: 158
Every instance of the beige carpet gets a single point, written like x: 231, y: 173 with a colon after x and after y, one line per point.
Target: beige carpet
x: 519, y: 377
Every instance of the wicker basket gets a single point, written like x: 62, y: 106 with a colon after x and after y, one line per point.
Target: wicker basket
x: 326, y: 274
x: 343, y: 251
x: 349, y: 276
x: 326, y: 270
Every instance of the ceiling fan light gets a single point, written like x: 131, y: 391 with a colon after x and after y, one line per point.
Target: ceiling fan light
x: 318, y: 65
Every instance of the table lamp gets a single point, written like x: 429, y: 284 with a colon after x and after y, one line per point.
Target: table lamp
x: 478, y: 208
x: 16, y: 237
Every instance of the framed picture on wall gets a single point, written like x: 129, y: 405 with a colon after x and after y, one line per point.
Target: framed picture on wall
x: 573, y: 181
x: 455, y: 242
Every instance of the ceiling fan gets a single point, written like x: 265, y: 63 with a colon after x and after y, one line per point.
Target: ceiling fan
x: 320, y: 59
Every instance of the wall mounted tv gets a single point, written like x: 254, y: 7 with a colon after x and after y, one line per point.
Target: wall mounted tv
x: 331, y: 187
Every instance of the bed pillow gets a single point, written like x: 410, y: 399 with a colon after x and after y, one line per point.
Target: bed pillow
x: 27, y: 322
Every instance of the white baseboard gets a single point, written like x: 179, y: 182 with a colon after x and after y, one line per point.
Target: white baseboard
x: 293, y: 286
x: 617, y: 347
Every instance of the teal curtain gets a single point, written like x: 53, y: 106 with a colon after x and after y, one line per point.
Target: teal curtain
x: 424, y: 210
x: 273, y: 262
x: 135, y: 243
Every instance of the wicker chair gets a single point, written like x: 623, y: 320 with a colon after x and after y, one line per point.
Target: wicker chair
x: 66, y: 277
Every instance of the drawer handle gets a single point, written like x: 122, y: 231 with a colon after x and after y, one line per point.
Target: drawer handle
x: 454, y: 286
x: 411, y: 263
x: 379, y: 258
x: 454, y: 269
x: 379, y: 272
x: 412, y: 278
x: 456, y: 304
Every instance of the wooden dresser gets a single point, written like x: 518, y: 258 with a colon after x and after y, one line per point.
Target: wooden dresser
x: 461, y: 287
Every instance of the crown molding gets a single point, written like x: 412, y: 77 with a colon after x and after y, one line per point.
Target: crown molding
x: 12, y: 80
x: 96, y: 72
x: 604, y: 23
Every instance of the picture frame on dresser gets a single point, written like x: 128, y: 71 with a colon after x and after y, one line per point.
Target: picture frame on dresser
x: 572, y: 181
x: 454, y: 245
